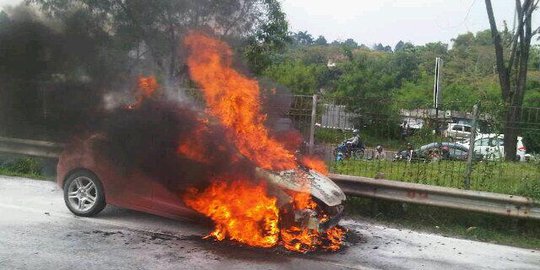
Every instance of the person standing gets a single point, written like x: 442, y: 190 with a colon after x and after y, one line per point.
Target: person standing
x: 380, y: 153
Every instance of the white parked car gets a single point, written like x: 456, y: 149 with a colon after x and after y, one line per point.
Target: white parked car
x: 459, y: 132
x: 491, y: 146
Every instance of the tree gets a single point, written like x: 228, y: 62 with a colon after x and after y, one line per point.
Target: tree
x: 512, y: 70
x: 534, y: 58
x: 382, y: 48
x: 271, y: 38
x: 297, y: 76
x: 159, y: 26
x: 302, y: 38
x: 350, y: 43
x: 399, y: 46
x: 321, y: 40
x: 403, y: 46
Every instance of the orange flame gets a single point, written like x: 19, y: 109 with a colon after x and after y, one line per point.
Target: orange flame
x: 234, y: 100
x: 315, y: 164
x: 146, y: 86
x: 334, y: 236
x: 300, y: 239
x: 305, y: 240
x: 241, y: 212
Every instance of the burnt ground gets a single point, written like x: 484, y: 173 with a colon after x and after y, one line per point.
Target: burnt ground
x: 38, y: 232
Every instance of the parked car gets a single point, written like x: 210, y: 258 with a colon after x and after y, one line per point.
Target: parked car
x: 440, y: 150
x: 458, y: 132
x: 491, y: 146
x: 90, y: 182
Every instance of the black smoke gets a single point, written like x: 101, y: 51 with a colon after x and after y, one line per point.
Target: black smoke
x: 147, y: 138
x: 53, y: 75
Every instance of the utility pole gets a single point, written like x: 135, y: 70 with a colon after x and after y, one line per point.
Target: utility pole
x: 312, y: 125
x: 472, y: 138
x: 437, y: 91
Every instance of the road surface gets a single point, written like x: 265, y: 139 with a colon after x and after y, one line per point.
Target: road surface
x: 38, y: 232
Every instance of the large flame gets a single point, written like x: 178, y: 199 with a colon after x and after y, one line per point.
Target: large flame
x: 243, y: 211
x: 234, y: 100
x: 303, y: 239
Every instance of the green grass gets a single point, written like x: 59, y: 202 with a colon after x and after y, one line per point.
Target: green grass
x: 449, y: 222
x: 24, y: 167
x: 515, y: 178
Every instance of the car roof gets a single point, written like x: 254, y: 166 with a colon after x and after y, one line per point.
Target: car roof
x: 461, y: 124
x: 441, y: 144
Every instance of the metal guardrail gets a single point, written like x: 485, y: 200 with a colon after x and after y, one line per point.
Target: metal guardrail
x: 468, y: 200
x: 30, y: 147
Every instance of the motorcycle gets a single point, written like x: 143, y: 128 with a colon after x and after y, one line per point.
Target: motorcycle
x: 345, y: 150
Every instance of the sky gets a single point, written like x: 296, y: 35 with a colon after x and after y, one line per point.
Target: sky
x: 389, y: 21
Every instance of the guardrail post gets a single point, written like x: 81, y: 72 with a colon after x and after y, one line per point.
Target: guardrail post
x: 472, y: 138
x: 312, y: 125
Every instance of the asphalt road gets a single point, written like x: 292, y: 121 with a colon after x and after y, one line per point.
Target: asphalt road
x: 38, y: 232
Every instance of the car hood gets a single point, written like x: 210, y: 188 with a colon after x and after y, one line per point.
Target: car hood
x: 304, y: 180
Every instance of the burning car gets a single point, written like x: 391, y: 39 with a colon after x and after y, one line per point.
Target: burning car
x: 90, y: 182
x: 222, y: 163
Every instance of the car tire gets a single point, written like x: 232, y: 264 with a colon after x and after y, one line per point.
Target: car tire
x: 84, y: 194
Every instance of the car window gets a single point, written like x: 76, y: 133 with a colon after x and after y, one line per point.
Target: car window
x: 457, y: 127
x: 457, y: 152
x: 467, y: 129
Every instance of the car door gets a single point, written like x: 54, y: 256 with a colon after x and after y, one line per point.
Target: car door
x: 139, y: 185
x: 168, y: 201
x: 124, y: 188
x: 457, y: 153
x: 168, y: 193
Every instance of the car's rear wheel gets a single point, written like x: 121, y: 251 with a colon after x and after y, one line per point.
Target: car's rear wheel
x: 83, y: 194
